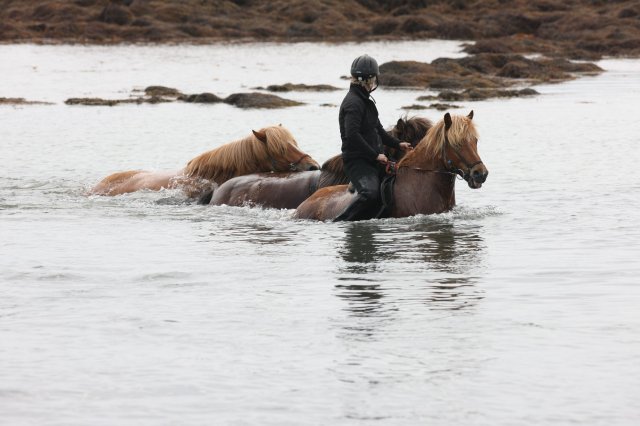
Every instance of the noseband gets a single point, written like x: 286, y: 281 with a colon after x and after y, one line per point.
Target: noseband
x: 465, y: 174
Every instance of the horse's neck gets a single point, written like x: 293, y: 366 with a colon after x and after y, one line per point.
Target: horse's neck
x: 423, y: 189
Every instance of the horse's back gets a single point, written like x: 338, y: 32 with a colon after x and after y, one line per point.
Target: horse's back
x: 131, y: 181
x: 107, y: 185
x: 271, y: 190
x: 326, y: 203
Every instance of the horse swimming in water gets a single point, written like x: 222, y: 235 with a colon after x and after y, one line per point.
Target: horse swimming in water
x: 425, y: 177
x: 288, y: 190
x: 270, y: 149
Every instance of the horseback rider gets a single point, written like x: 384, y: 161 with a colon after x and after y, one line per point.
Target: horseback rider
x: 362, y: 139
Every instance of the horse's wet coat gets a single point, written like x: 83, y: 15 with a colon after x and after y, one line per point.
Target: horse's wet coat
x: 425, y: 178
x: 270, y: 149
x: 283, y: 191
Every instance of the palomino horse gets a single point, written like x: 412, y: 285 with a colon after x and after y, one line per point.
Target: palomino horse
x: 425, y: 177
x: 288, y: 190
x: 270, y: 149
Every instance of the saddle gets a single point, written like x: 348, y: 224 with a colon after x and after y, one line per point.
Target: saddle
x: 386, y: 196
x: 386, y: 192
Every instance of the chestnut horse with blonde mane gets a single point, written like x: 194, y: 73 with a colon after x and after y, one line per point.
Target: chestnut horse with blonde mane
x: 425, y: 177
x: 288, y: 190
x: 270, y: 149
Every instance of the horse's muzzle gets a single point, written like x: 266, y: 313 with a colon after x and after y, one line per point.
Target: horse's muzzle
x: 477, y: 176
x: 308, y: 166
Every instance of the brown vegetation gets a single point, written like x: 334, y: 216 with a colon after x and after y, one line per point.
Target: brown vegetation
x: 437, y: 106
x: 21, y: 101
x: 481, y: 76
x: 484, y: 70
x: 290, y: 87
x: 259, y: 100
x: 503, y: 31
x: 159, y: 94
x: 481, y: 94
x: 585, y: 29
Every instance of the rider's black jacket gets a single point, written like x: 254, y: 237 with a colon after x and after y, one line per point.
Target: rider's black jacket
x: 360, y: 129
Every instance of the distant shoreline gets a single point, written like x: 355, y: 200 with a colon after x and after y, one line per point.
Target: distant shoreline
x: 585, y: 29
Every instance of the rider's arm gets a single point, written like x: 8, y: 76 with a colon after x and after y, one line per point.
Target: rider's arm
x: 352, y: 121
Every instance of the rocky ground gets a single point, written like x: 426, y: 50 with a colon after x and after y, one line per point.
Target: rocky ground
x: 480, y: 76
x: 20, y: 101
x: 576, y: 29
x: 501, y: 34
x: 159, y: 94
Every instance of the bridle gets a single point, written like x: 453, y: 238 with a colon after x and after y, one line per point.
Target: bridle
x: 293, y: 166
x: 465, y: 174
x: 450, y: 169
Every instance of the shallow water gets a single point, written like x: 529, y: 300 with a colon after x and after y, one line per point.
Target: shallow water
x: 519, y: 307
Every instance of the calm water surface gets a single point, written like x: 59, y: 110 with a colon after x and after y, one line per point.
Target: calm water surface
x: 520, y: 307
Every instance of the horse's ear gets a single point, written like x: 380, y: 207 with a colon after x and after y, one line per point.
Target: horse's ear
x: 262, y: 136
x: 470, y: 116
x: 447, y: 121
x: 400, y: 124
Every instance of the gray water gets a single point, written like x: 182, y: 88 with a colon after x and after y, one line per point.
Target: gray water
x: 520, y: 307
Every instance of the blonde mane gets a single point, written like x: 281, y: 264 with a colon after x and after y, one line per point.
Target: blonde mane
x: 241, y: 157
x: 461, y: 130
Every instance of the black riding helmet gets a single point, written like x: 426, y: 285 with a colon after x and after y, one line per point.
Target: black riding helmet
x: 364, y: 67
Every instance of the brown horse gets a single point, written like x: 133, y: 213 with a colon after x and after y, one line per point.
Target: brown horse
x: 270, y: 149
x: 288, y: 190
x: 425, y: 177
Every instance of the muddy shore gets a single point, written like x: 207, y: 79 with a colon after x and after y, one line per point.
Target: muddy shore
x: 576, y: 29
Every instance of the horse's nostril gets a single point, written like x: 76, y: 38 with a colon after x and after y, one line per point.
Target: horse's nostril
x: 478, y: 176
x: 313, y: 168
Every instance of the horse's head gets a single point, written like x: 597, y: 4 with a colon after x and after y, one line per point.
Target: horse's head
x: 460, y: 149
x: 411, y: 130
x: 282, y: 150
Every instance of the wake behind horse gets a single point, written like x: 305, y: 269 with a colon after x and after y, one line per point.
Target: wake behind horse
x: 270, y: 149
x: 425, y: 177
x: 288, y: 190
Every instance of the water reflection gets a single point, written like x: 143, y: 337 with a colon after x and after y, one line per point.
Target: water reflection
x: 375, y: 256
x: 245, y: 226
x: 361, y: 250
x: 363, y: 299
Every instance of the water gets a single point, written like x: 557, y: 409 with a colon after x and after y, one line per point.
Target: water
x: 517, y: 308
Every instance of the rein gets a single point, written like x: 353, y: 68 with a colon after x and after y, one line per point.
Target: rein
x: 420, y: 169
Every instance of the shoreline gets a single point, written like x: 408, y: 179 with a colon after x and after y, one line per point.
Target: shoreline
x: 244, y: 41
x: 581, y: 29
x: 240, y: 42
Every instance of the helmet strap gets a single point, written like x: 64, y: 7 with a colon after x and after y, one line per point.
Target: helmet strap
x: 363, y: 82
x: 376, y: 86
